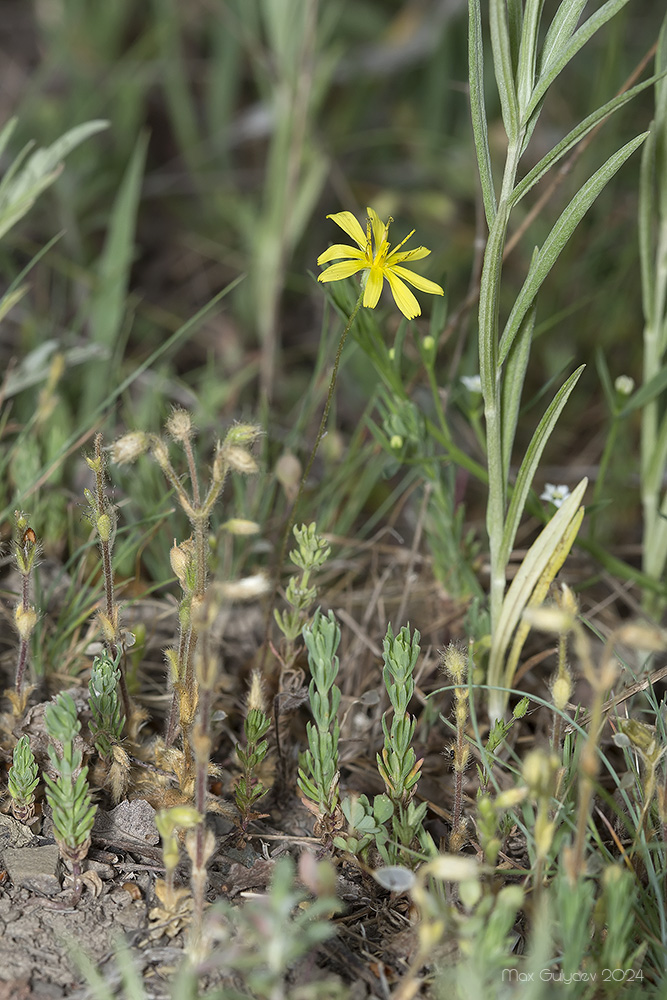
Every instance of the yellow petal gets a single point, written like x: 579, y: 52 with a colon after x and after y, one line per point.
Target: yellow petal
x: 343, y: 270
x: 339, y: 250
x: 351, y: 225
x: 373, y: 287
x: 405, y: 300
x: 379, y: 228
x: 416, y: 254
x: 423, y: 284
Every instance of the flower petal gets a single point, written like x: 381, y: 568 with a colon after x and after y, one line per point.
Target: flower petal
x: 373, y: 287
x: 423, y: 284
x: 404, y: 298
x: 416, y: 254
x: 350, y: 224
x: 379, y: 228
x: 339, y: 250
x: 343, y: 270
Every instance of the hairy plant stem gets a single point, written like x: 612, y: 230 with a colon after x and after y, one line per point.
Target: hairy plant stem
x: 24, y: 644
x: 102, y: 502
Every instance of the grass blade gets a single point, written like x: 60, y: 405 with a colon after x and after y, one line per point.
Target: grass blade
x: 108, y: 302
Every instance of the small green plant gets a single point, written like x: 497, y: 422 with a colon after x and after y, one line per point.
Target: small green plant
x: 367, y: 826
x: 397, y: 763
x: 248, y: 789
x: 68, y: 795
x: 265, y: 938
x: 310, y: 554
x: 318, y: 765
x: 23, y: 779
x: 107, y: 721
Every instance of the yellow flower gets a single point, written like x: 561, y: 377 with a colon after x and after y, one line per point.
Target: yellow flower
x: 378, y: 261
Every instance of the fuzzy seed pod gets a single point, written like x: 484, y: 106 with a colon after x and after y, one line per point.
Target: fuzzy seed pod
x: 239, y: 526
x: 129, y: 448
x: 240, y: 460
x: 104, y: 527
x: 25, y: 620
x: 454, y: 663
x: 561, y: 691
x: 179, y: 425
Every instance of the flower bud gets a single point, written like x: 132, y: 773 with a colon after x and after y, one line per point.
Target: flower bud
x: 160, y: 453
x: 180, y: 557
x: 104, y: 526
x: 240, y: 460
x: 241, y: 434
x: 239, y: 526
x: 128, y: 448
x: 539, y: 769
x: 624, y: 385
x: 179, y: 425
x: 454, y: 663
x: 561, y: 690
x: 25, y: 620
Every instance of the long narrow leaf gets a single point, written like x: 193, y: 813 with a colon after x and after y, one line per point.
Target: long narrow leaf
x: 525, y: 76
x: 513, y: 378
x: 573, y: 137
x: 480, y: 128
x: 537, y: 597
x: 44, y: 161
x: 108, y: 303
x: 531, y: 461
x: 537, y: 560
x: 560, y: 30
x: 558, y: 237
x: 503, y: 68
x: 563, y: 57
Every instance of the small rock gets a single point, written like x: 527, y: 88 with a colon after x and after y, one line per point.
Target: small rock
x: 13, y: 833
x: 135, y: 820
x: 34, y: 868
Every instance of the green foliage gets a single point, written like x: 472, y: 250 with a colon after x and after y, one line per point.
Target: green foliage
x: 68, y: 795
x: 248, y: 789
x: 23, y: 779
x: 367, y: 825
x: 108, y: 720
x: 318, y: 765
x: 397, y: 764
x: 310, y: 554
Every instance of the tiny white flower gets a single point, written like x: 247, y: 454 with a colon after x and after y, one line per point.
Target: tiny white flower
x: 624, y: 385
x: 473, y: 383
x: 555, y: 494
